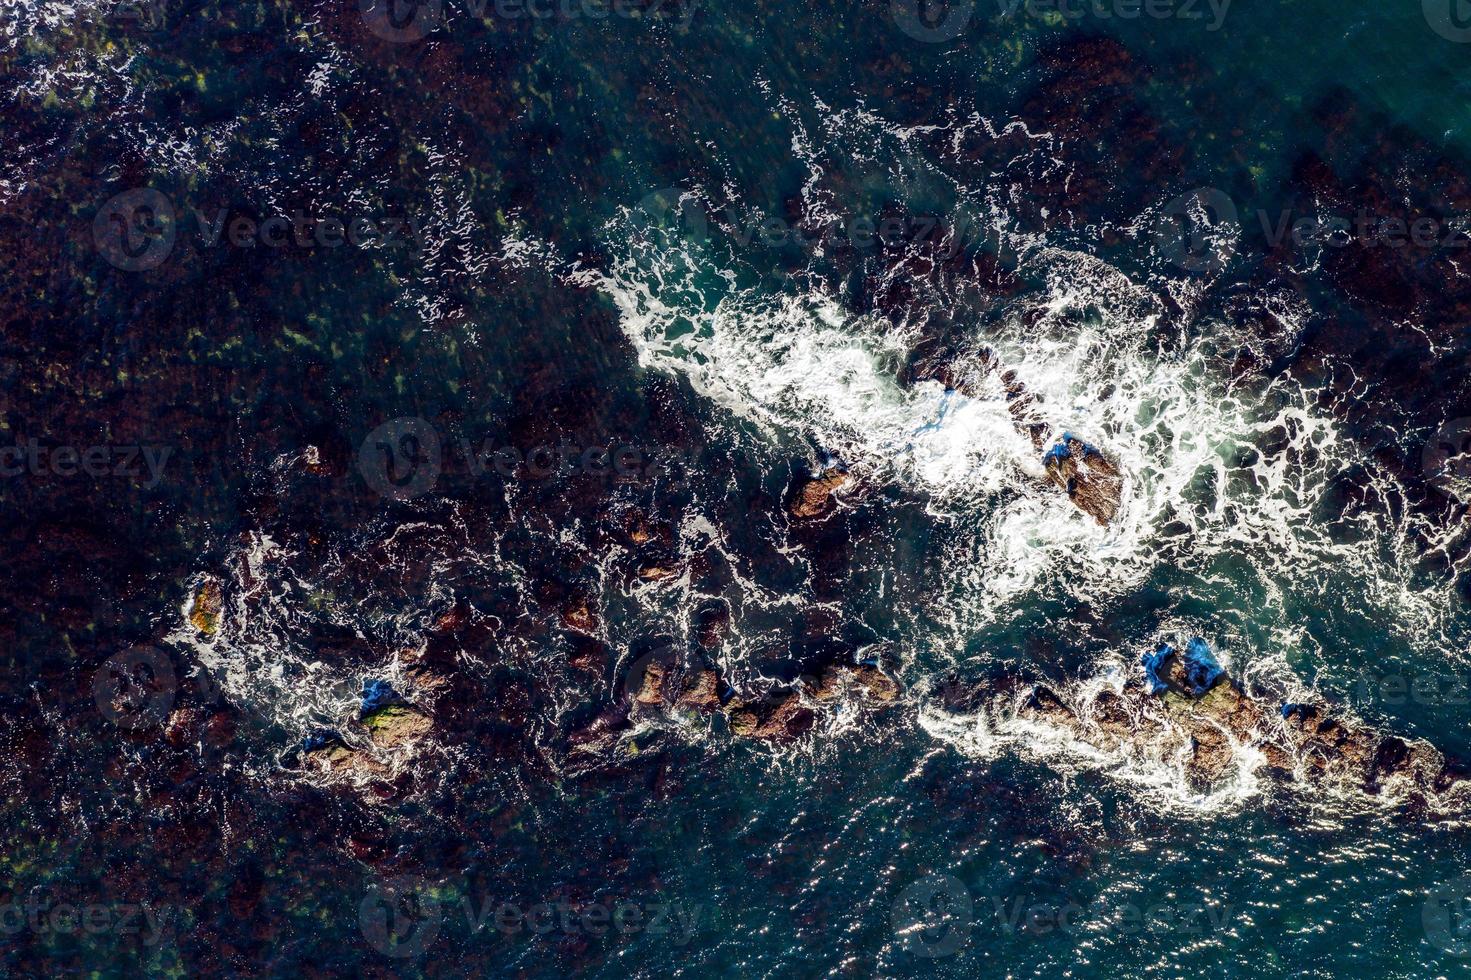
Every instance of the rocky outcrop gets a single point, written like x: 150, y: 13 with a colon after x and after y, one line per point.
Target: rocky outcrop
x: 813, y: 497
x: 578, y: 615
x: 1090, y: 480
x: 779, y: 715
x: 778, y: 718
x: 1221, y: 732
x: 392, y: 733
x: 204, y: 609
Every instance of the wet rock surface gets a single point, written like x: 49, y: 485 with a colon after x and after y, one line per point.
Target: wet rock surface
x: 1222, y: 735
x: 813, y: 497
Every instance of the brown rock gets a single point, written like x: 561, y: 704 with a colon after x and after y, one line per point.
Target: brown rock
x: 658, y: 571
x: 701, y: 691
x: 1089, y: 479
x: 782, y: 718
x: 397, y: 725
x: 204, y: 612
x: 651, y: 684
x: 814, y: 497
x: 580, y: 617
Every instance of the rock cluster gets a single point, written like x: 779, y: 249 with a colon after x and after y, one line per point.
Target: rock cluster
x: 780, y: 715
x: 1224, y: 729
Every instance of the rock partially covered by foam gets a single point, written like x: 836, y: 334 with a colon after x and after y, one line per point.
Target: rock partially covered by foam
x: 1090, y: 480
x: 781, y: 714
x: 1195, y: 672
x: 392, y: 732
x: 1186, y: 710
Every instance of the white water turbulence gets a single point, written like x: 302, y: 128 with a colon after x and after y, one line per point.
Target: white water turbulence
x: 1215, y: 466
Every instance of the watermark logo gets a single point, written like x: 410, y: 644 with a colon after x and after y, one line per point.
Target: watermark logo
x: 1446, y: 459
x: 400, y: 917
x: 1198, y: 231
x: 1446, y: 916
x: 135, y: 230
x: 403, y: 459
x: 1451, y: 19
x: 933, y: 917
x: 135, y: 689
x: 1072, y: 11
x: 409, y: 21
x: 671, y: 216
x: 932, y: 21
x: 402, y: 21
x: 147, y: 14
x: 400, y: 459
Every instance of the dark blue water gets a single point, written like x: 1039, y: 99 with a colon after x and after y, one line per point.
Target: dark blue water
x: 473, y: 360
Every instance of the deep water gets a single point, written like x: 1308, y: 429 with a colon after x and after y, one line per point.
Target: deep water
x: 731, y: 242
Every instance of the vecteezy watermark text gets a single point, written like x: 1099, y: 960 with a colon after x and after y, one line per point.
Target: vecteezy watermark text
x: 407, y: 21
x: 403, y: 459
x: 935, y: 21
x: 40, y: 915
x: 1199, y: 231
x: 937, y: 915
x: 29, y: 457
x: 675, y: 213
x: 402, y: 917
x: 137, y: 230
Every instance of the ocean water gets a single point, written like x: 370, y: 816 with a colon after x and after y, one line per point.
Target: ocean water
x: 719, y: 237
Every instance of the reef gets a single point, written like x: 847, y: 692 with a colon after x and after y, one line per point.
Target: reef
x: 1185, y: 711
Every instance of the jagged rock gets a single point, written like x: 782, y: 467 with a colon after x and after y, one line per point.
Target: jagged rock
x: 701, y: 691
x: 182, y: 726
x: 813, y: 498
x: 396, y: 725
x: 392, y: 729
x: 204, y: 611
x: 1161, y: 715
x: 339, y: 760
x: 782, y: 718
x: 602, y: 733
x: 652, y: 684
x: 579, y: 616
x: 867, y: 681
x: 658, y: 571
x: 1089, y: 479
